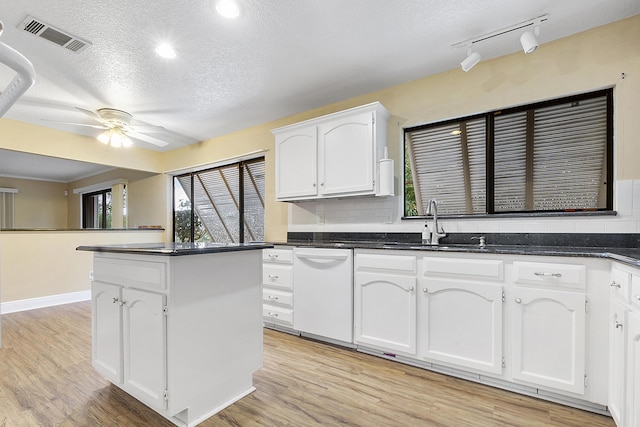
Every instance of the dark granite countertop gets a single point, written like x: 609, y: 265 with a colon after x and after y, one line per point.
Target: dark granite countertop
x: 567, y: 245
x: 174, y: 249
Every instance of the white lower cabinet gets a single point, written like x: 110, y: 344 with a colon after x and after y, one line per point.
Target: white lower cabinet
x: 385, y: 302
x: 548, y: 338
x: 394, y: 327
x: 461, y: 323
x: 526, y: 323
x: 624, y: 346
x: 106, y: 330
x: 277, y: 287
x: 633, y: 370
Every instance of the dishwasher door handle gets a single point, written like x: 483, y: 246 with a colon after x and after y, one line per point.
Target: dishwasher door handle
x: 322, y: 256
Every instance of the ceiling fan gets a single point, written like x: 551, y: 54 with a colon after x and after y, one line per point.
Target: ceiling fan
x: 118, y: 128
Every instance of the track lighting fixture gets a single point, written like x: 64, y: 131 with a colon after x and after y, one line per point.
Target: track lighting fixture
x: 528, y: 40
x: 470, y: 61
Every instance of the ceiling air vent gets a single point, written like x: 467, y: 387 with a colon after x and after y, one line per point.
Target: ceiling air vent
x: 54, y: 35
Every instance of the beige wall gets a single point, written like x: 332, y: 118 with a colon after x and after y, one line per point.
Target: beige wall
x: 146, y: 197
x: 38, y: 204
x: 588, y: 61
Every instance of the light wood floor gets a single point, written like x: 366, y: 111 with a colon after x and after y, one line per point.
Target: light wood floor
x: 46, y: 379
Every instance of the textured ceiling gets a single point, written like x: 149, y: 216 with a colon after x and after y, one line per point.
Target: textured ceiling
x: 280, y: 57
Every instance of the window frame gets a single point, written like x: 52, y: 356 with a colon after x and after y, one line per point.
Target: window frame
x: 240, y: 167
x: 489, y: 117
x: 91, y: 195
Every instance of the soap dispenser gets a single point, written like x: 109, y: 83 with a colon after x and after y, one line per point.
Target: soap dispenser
x: 426, y: 235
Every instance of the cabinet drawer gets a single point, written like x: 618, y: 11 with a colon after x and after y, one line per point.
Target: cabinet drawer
x: 550, y: 274
x: 273, y: 296
x: 281, y: 315
x: 375, y: 262
x: 284, y: 256
x: 279, y: 276
x: 620, y: 283
x: 483, y: 268
x: 131, y: 273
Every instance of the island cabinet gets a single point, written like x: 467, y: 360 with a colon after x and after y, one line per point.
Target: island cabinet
x: 624, y: 346
x: 331, y: 156
x: 182, y: 334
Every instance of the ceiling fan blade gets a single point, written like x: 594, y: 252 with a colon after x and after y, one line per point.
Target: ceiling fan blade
x: 95, y: 116
x: 77, y: 124
x: 147, y: 138
x: 147, y: 128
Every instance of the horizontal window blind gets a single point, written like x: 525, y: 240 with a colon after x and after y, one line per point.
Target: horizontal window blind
x: 449, y: 165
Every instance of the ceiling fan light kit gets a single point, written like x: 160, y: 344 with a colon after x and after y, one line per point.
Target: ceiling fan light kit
x: 528, y: 40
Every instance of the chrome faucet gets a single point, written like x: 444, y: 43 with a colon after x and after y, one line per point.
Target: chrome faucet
x: 438, y: 232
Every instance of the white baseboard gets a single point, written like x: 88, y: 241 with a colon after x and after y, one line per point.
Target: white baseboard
x: 41, y: 302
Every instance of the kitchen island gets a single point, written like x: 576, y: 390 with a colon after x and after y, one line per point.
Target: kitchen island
x: 178, y: 326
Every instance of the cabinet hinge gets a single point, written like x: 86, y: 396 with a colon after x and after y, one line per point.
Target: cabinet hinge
x: 586, y: 306
x: 504, y: 363
x: 585, y: 380
x: 165, y: 310
x: 373, y: 118
x: 504, y: 298
x: 165, y: 395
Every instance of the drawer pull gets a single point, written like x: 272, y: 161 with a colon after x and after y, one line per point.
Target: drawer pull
x: 613, y: 284
x: 273, y: 314
x: 273, y: 276
x: 548, y: 274
x: 637, y: 297
x: 273, y: 255
x: 273, y: 298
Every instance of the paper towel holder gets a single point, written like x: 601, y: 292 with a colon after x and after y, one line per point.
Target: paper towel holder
x: 385, y: 178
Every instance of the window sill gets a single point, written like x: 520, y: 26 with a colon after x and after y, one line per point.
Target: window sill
x: 517, y: 215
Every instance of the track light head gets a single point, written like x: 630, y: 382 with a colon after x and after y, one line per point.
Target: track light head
x: 470, y: 61
x: 529, y: 42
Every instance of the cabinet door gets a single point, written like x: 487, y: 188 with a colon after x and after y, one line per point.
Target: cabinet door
x: 296, y: 164
x: 461, y: 323
x: 633, y: 370
x: 347, y: 155
x: 106, y: 330
x: 548, y: 338
x: 617, y: 360
x: 385, y: 312
x: 145, y: 369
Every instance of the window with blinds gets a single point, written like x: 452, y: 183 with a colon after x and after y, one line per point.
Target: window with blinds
x: 554, y: 156
x: 224, y: 204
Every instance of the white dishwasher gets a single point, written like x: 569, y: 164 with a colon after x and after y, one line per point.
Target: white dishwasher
x: 323, y: 292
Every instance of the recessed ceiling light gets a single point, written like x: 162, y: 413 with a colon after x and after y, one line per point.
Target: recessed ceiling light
x: 228, y: 8
x: 166, y: 51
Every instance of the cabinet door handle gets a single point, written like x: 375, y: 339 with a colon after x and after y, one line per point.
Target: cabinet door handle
x: 273, y: 276
x: 518, y: 300
x: 548, y: 274
x: 618, y: 324
x: 411, y: 288
x: 115, y: 300
x: 314, y: 184
x: 425, y: 290
x: 273, y: 298
x: 122, y: 303
x: 637, y: 297
x: 613, y: 284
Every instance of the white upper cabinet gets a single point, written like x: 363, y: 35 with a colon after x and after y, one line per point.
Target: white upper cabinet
x: 331, y: 156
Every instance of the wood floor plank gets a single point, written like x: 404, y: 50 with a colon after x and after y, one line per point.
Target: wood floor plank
x: 46, y: 379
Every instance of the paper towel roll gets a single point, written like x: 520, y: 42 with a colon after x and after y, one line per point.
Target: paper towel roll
x: 385, y: 177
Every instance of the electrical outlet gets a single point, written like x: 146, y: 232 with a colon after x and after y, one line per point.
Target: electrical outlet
x: 321, y: 218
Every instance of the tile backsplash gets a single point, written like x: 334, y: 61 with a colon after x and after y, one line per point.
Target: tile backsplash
x: 382, y: 214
